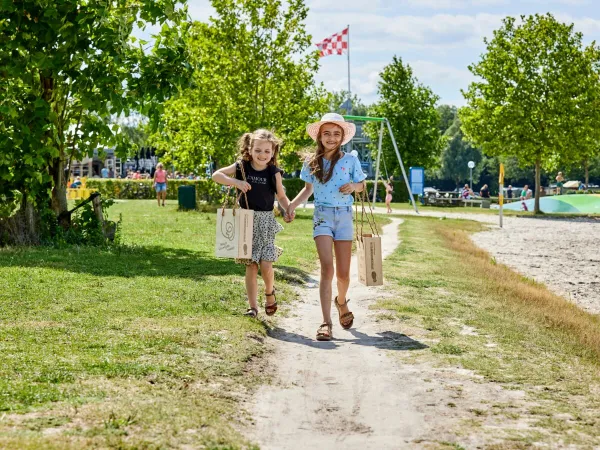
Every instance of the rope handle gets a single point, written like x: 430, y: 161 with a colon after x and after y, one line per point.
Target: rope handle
x: 235, y: 204
x: 370, y: 221
x: 361, y: 195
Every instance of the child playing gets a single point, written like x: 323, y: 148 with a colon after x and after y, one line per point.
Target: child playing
x: 258, y: 161
x: 160, y: 183
x: 333, y: 176
x: 389, y: 188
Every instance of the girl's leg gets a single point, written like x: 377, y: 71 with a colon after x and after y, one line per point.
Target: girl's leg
x: 268, y: 276
x: 164, y: 197
x: 252, y: 285
x: 158, y: 194
x: 343, y: 256
x: 324, y: 247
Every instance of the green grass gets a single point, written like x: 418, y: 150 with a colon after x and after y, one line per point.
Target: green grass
x: 519, y: 334
x: 141, y: 346
x: 136, y: 346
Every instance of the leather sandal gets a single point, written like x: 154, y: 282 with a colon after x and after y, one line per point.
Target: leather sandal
x: 271, y: 309
x: 324, y: 332
x: 251, y: 312
x: 347, y: 319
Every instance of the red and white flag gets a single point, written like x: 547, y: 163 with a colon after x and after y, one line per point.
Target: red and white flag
x: 334, y: 45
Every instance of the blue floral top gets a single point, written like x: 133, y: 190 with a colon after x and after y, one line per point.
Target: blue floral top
x: 347, y: 170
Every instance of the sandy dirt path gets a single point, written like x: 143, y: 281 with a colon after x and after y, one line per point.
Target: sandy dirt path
x: 354, y: 392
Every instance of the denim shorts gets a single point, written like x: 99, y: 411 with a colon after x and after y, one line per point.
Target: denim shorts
x: 334, y: 221
x: 161, y: 187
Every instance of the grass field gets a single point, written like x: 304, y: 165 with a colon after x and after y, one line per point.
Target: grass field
x: 145, y: 345
x: 141, y: 346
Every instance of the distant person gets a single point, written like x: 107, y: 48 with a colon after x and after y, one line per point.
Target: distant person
x: 582, y: 187
x: 509, y: 192
x: 524, y: 192
x: 389, y: 188
x: 485, y: 191
x: 76, y: 183
x: 542, y: 191
x: 160, y: 183
x: 137, y: 175
x: 111, y: 173
x: 560, y: 181
x: 104, y: 172
x: 466, y: 192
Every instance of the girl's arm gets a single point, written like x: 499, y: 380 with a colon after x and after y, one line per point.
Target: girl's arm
x: 282, y: 198
x: 302, y: 196
x: 226, y: 177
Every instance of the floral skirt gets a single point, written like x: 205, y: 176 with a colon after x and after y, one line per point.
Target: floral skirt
x: 263, y: 240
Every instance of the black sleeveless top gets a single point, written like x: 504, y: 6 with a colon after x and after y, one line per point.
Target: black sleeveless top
x: 262, y: 195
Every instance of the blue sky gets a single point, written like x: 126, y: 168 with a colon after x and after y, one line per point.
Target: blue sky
x: 438, y: 38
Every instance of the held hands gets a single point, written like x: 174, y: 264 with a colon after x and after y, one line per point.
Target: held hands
x: 289, y: 214
x: 242, y: 185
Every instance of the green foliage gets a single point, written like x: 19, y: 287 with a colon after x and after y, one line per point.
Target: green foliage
x: 447, y: 114
x: 66, y: 68
x: 257, y: 72
x: 457, y: 154
x: 206, y: 190
x: 537, y: 97
x: 410, y: 108
x: 85, y: 228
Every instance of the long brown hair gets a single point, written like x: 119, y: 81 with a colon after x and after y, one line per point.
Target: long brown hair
x: 246, y: 142
x: 315, y: 161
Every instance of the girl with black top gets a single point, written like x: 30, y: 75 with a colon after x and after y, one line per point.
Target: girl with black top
x: 258, y: 160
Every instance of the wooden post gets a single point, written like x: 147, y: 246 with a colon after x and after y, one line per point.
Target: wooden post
x: 97, y: 202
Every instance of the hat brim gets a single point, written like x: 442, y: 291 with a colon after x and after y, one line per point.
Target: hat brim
x: 348, y: 127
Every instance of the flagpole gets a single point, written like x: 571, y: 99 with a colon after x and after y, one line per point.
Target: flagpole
x: 349, y: 92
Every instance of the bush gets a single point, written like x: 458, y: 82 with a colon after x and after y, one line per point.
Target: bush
x: 208, y: 191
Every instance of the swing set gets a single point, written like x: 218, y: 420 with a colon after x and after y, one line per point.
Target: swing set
x: 384, y: 122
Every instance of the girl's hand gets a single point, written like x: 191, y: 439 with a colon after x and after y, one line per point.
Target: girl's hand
x: 290, y: 214
x: 347, y: 188
x: 242, y: 185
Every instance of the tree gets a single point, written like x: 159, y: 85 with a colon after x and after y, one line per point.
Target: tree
x: 539, y: 95
x: 448, y: 114
x: 410, y: 109
x: 66, y: 68
x: 256, y: 73
x: 456, y: 156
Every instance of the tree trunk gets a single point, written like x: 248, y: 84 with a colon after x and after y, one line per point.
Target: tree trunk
x: 56, y: 167
x: 59, y: 190
x: 587, y: 172
x: 22, y: 227
x: 538, y: 178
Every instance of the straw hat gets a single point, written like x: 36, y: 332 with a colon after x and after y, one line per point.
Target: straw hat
x: 349, y: 128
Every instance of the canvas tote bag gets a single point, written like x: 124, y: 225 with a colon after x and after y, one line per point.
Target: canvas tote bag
x: 368, y: 246
x: 235, y: 228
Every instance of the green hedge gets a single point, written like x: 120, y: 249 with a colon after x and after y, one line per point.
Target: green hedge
x: 208, y: 190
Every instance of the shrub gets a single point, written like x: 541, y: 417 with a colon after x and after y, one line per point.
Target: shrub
x: 208, y: 191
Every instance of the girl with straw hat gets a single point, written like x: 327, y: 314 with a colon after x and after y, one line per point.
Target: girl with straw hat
x: 332, y: 176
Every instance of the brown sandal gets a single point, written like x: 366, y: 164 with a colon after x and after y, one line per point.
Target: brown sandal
x: 251, y: 312
x: 347, y: 319
x: 272, y: 308
x: 324, y: 332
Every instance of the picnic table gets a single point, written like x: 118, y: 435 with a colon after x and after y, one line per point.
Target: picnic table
x: 442, y: 198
